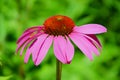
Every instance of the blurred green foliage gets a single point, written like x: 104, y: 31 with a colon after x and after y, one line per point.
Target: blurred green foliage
x: 18, y: 15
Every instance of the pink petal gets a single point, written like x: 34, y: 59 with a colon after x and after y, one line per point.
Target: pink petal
x: 21, y: 51
x: 44, y: 49
x: 27, y: 42
x: 69, y: 50
x: 23, y: 36
x: 90, y: 29
x: 34, y: 49
x: 82, y: 45
x: 63, y: 49
x: 27, y: 55
x: 20, y: 44
x: 91, y: 46
x: 37, y: 46
x: 93, y: 39
x: 25, y: 39
x: 35, y: 28
x: 57, y: 50
x: 29, y: 31
x: 88, y: 44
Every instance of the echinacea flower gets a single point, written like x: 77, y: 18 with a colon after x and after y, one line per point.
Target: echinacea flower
x: 59, y: 30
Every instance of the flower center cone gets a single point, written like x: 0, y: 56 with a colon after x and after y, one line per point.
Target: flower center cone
x: 59, y: 25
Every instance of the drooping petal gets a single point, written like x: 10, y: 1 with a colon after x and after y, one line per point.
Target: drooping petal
x: 63, y: 49
x: 44, y: 49
x: 29, y: 31
x: 34, y: 48
x: 93, y: 39
x: 37, y: 46
x: 69, y: 50
x: 26, y: 39
x: 35, y: 28
x: 23, y: 36
x: 23, y: 47
x: 57, y: 50
x: 27, y: 42
x: 90, y: 29
x: 28, y: 52
x: 91, y: 46
x: 82, y: 45
x: 20, y: 44
x: 27, y: 55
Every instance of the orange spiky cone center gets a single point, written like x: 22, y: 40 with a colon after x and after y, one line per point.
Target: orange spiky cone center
x: 58, y: 25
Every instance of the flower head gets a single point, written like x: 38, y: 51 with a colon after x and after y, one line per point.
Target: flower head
x: 59, y: 30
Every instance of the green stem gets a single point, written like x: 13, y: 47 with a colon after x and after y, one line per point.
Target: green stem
x: 58, y: 69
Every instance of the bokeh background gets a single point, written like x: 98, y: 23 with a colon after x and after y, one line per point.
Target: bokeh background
x: 18, y: 15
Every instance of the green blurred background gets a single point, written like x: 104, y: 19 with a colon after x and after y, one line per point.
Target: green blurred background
x: 18, y: 15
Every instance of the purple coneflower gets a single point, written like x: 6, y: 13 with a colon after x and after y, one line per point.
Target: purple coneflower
x: 59, y: 30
